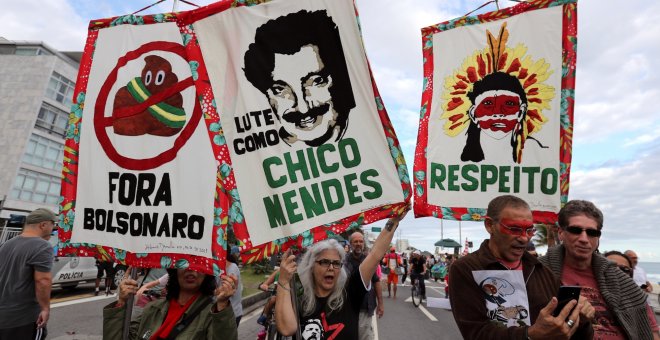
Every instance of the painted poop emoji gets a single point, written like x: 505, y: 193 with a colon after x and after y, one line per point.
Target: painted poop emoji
x: 134, y: 111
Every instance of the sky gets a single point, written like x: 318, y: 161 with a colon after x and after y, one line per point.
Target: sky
x: 616, y: 144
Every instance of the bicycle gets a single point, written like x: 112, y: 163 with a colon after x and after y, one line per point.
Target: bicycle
x: 270, y: 329
x: 416, y: 293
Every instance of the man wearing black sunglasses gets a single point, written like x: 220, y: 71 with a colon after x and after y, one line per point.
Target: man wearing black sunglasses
x: 620, y: 305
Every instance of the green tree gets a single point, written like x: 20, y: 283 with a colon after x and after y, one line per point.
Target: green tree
x: 546, y: 235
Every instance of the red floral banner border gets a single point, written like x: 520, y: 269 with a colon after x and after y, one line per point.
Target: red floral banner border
x: 569, y: 49
x: 250, y: 252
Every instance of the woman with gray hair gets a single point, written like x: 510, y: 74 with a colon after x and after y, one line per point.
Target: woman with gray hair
x: 331, y: 295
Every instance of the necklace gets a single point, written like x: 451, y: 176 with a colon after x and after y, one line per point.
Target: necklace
x: 512, y: 268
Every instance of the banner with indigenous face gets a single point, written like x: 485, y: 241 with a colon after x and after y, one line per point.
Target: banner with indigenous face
x: 497, y: 111
x: 308, y: 144
x: 140, y: 179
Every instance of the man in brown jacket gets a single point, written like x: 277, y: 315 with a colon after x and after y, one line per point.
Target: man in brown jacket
x: 502, y: 292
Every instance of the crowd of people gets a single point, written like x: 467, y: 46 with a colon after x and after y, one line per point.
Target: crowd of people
x: 503, y: 290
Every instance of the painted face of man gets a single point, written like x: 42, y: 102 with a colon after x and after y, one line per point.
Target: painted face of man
x: 505, y: 243
x: 497, y: 112
x: 300, y: 95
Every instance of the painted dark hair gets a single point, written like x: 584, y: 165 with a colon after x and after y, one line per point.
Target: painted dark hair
x: 207, y: 288
x: 287, y: 35
x: 491, y: 82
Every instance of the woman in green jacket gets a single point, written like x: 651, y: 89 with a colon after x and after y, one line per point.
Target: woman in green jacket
x: 187, y: 291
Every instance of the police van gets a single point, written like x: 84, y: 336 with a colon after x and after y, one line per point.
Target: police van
x: 67, y: 272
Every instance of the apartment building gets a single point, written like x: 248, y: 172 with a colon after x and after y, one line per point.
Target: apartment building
x: 36, y: 90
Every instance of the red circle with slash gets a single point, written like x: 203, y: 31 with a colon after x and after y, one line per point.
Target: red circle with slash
x: 101, y: 121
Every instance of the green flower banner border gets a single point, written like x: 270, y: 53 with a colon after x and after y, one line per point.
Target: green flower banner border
x: 421, y: 206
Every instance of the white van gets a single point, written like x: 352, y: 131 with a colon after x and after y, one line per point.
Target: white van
x: 68, y: 272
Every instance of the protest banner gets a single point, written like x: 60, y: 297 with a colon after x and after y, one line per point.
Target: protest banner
x: 497, y: 111
x: 307, y: 147
x: 140, y: 180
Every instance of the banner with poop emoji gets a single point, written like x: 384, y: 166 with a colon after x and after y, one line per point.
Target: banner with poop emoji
x: 140, y: 180
x: 497, y: 111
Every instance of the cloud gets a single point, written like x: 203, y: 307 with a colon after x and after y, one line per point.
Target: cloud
x: 628, y: 195
x: 616, y: 78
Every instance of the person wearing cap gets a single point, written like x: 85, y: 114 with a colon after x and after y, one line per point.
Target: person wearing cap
x: 502, y: 292
x: 392, y: 260
x: 417, y: 271
x: 26, y: 280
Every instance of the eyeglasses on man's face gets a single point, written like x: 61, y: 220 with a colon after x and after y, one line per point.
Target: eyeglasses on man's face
x: 575, y: 230
x: 516, y: 228
x: 325, y: 263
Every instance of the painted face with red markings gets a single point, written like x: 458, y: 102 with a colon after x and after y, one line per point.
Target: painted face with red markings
x: 497, y: 112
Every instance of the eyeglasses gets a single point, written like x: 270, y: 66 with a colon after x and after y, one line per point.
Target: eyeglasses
x: 516, y: 230
x: 325, y: 263
x: 578, y: 231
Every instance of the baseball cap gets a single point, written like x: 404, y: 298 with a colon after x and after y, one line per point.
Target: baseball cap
x: 392, y: 248
x: 417, y: 252
x: 41, y: 215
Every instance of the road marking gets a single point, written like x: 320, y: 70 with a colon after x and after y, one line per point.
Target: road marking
x: 88, y: 299
x: 425, y: 311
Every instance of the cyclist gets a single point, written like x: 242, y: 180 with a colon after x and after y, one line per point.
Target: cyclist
x: 272, y: 279
x: 418, y: 270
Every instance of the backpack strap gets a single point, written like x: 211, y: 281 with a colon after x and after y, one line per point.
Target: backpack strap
x: 186, y: 320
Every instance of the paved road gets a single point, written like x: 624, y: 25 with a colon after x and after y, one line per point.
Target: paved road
x: 76, y: 315
x: 402, y: 320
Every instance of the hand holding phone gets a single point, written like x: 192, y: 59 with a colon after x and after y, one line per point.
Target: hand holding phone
x: 564, y: 296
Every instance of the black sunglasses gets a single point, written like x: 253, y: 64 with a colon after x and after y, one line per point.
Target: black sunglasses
x: 578, y: 230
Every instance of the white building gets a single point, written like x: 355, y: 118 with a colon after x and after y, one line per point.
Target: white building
x: 36, y: 90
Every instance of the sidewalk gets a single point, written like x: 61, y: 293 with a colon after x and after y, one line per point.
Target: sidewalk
x: 653, y: 298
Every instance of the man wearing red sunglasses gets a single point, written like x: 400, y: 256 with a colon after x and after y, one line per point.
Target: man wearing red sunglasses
x: 502, y: 292
x: 620, y: 304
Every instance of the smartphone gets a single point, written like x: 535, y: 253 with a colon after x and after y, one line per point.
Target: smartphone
x: 565, y: 295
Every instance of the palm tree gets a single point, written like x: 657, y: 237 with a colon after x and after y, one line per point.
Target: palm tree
x: 546, y: 235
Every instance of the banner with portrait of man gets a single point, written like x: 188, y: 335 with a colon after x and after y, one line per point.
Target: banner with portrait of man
x: 497, y: 111
x: 309, y: 148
